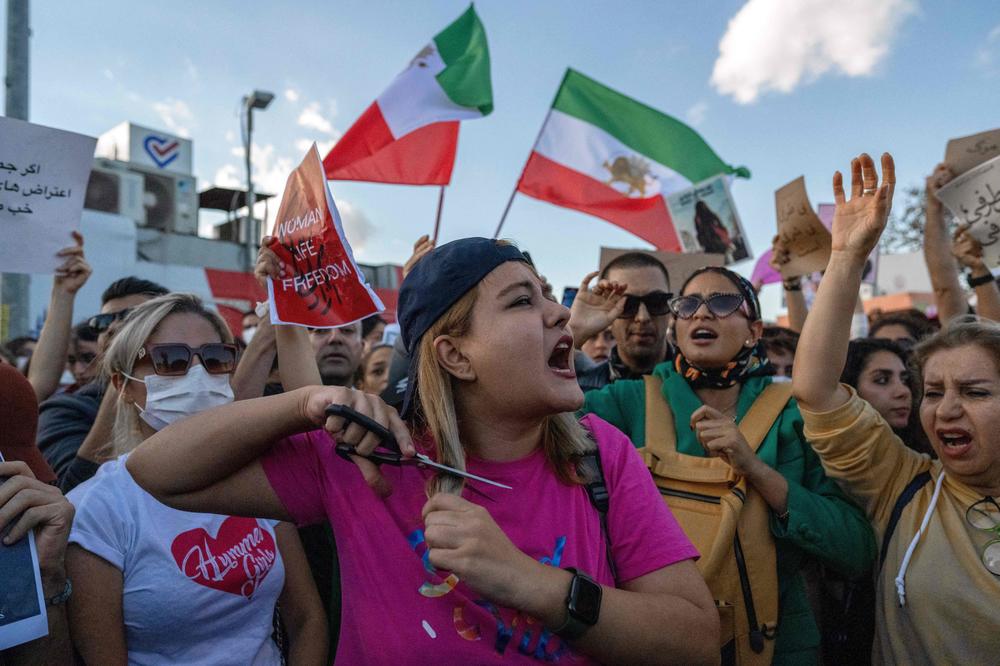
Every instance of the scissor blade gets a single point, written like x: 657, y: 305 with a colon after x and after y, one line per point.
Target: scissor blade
x: 457, y: 472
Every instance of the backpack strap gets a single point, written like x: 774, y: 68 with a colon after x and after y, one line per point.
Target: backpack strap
x: 911, y: 489
x: 661, y: 433
x: 592, y: 472
x: 764, y: 411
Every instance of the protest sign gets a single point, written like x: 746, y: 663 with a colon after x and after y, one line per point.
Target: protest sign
x: 43, y: 182
x: 22, y: 605
x: 706, y: 220
x: 974, y: 198
x: 801, y: 234
x: 325, y: 287
x: 966, y: 152
x: 679, y: 265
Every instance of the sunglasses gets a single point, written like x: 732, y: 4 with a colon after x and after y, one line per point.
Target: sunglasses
x: 720, y: 305
x: 174, y: 359
x: 101, y: 322
x: 657, y: 303
x: 985, y: 515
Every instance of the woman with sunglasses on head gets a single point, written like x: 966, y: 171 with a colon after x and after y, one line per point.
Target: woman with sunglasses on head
x: 719, y: 372
x: 158, y: 585
x: 536, y: 571
x: 938, y: 521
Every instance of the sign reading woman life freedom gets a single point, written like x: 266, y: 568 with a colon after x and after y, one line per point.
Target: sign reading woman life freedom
x: 322, y: 286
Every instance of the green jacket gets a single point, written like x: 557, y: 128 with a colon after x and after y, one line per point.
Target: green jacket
x: 822, y: 522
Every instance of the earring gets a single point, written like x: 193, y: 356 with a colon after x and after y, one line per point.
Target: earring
x: 749, y: 342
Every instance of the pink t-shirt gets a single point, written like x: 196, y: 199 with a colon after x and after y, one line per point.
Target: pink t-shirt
x: 397, y: 609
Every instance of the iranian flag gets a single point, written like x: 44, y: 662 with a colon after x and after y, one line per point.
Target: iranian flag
x: 410, y: 133
x: 607, y: 155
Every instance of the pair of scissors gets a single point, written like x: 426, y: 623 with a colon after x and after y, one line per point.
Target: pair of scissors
x: 388, y: 449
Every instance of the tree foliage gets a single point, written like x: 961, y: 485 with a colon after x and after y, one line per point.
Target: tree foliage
x: 905, y: 230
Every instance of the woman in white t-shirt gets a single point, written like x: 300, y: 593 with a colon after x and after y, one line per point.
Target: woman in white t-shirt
x: 158, y: 585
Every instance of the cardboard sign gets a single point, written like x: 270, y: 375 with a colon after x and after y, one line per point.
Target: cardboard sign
x: 974, y: 198
x: 43, y: 181
x: 706, y: 220
x: 326, y: 288
x: 680, y: 266
x: 967, y: 152
x: 22, y: 605
x: 800, y: 231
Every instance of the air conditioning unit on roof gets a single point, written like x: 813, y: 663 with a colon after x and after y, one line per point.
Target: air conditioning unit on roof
x: 154, y: 199
x: 113, y: 189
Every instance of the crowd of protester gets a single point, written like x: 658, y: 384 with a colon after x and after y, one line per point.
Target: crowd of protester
x: 656, y: 474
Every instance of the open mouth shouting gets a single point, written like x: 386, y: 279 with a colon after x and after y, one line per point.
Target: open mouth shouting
x: 561, y: 358
x: 955, y: 442
x: 703, y: 336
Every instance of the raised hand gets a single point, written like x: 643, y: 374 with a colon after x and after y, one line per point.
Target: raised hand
x: 268, y: 265
x: 858, y: 222
x: 423, y: 245
x: 595, y: 309
x: 968, y: 250
x: 942, y: 176
x: 73, y: 273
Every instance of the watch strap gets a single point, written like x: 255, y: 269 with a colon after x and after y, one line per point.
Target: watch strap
x: 575, y: 626
x: 978, y: 281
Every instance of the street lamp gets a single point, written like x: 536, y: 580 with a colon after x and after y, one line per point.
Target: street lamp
x: 258, y: 99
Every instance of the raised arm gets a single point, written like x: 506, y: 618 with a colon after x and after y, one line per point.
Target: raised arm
x: 49, y: 358
x: 255, y: 363
x: 941, y: 265
x: 969, y: 253
x: 795, y: 300
x: 209, y: 462
x: 296, y: 359
x: 857, y: 225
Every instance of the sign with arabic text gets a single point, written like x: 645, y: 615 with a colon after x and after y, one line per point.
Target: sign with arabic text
x: 974, y: 198
x: 326, y: 288
x: 43, y: 181
x: 966, y: 152
x: 801, y: 234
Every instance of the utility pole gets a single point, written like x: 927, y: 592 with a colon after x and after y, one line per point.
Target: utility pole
x: 14, y: 287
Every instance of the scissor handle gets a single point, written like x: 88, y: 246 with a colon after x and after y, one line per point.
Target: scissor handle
x: 387, y: 439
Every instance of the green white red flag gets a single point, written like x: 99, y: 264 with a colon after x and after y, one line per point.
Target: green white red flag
x: 607, y: 155
x: 410, y: 133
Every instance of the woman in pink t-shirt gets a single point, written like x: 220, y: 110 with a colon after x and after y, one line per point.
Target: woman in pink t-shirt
x: 476, y: 572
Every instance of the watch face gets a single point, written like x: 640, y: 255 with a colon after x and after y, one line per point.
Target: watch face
x: 586, y: 603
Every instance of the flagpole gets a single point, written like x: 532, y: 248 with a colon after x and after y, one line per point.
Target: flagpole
x: 507, y: 209
x: 503, y: 218
x: 437, y: 221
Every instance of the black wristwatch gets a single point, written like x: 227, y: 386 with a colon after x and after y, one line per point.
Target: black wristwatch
x: 583, y: 606
x: 978, y: 281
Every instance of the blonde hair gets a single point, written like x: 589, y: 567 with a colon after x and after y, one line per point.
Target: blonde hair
x: 964, y: 331
x: 564, y: 440
x: 123, y: 351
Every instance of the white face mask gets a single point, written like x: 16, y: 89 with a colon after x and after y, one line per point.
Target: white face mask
x: 170, y: 399
x: 248, y: 333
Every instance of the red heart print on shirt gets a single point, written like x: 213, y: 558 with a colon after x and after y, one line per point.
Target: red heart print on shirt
x: 235, y: 561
